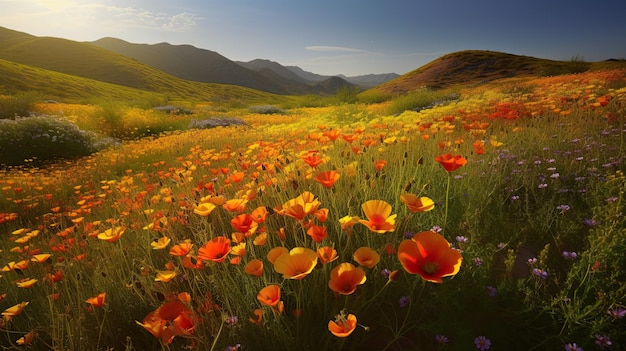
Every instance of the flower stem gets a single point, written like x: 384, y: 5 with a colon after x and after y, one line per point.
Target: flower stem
x: 445, y: 218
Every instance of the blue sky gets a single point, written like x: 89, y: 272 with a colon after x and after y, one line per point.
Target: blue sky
x: 339, y: 36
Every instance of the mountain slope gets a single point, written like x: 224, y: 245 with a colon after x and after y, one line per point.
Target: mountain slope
x: 98, y: 64
x: 473, y: 66
x: 191, y: 63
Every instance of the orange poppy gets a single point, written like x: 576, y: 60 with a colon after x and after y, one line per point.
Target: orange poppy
x: 27, y: 339
x: 297, y: 264
x: 112, y: 234
x: 260, y: 239
x: 312, y: 160
x: 343, y: 325
x: 258, y: 316
x: 275, y: 253
x: 215, y: 249
x: 300, y: 206
x: 269, y: 295
x: 345, y: 278
x: 254, y: 268
x: 259, y: 214
x: 26, y: 283
x: 321, y: 214
x: 380, y: 164
x: 327, y: 254
x: 235, y: 205
x: 451, y: 163
x: 429, y: 254
x: 204, y: 209
x: 379, y: 217
x: 244, y: 223
x: 181, y: 249
x: 348, y: 222
x: 14, y: 310
x: 317, y: 233
x: 160, y: 243
x: 366, y: 257
x: 327, y: 179
x: 165, y: 276
x: 417, y: 204
x: 97, y: 301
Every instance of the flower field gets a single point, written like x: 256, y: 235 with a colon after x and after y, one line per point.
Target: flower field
x: 491, y: 222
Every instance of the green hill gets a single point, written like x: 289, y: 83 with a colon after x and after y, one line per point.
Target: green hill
x: 476, y: 66
x: 54, y: 67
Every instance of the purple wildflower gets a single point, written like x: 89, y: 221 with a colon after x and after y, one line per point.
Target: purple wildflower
x: 563, y: 208
x: 404, y: 301
x: 231, y: 320
x: 482, y: 343
x: 436, y: 229
x: 232, y: 348
x: 602, y: 340
x: 478, y: 261
x: 515, y: 197
x: 441, y: 339
x: 532, y: 261
x: 461, y: 239
x: 617, y: 312
x: 540, y: 273
x: 573, y: 347
x: 589, y: 222
x: 570, y: 255
x: 543, y: 186
x: 385, y: 272
x: 491, y: 291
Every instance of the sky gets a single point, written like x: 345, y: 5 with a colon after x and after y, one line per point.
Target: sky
x: 329, y: 37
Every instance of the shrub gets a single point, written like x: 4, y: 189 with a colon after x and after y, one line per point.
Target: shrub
x: 214, y: 122
x: 43, y: 138
x: 266, y: 109
x: 20, y: 104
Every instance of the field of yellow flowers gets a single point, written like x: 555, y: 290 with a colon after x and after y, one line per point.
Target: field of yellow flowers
x: 493, y: 222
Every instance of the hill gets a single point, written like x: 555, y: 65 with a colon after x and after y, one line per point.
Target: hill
x: 52, y: 65
x: 474, y: 66
x: 191, y: 63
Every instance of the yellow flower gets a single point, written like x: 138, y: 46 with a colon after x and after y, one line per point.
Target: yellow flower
x: 379, y: 217
x: 161, y: 243
x: 297, y: 264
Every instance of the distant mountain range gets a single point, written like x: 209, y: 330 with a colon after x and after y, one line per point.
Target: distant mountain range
x: 115, y: 69
x: 201, y: 65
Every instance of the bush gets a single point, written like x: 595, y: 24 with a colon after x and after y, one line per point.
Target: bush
x: 421, y: 99
x: 266, y: 109
x: 20, y: 104
x: 43, y: 138
x: 214, y: 122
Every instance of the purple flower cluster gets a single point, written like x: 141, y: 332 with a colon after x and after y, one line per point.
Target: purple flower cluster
x: 482, y: 343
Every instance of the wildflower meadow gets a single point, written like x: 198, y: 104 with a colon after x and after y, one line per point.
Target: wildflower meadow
x: 490, y: 221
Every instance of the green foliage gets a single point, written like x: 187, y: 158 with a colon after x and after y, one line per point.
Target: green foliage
x: 348, y: 94
x: 44, y: 138
x: 374, y: 96
x: 20, y: 104
x: 420, y: 99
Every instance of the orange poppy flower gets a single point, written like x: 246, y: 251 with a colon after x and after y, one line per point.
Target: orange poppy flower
x: 327, y: 254
x: 312, y: 160
x: 343, y: 325
x: 275, y: 253
x: 429, y: 254
x: 235, y: 205
x: 380, y: 164
x: 300, y: 206
x: 155, y: 325
x: 192, y: 262
x: 345, y: 278
x: 26, y: 283
x: 417, y: 204
x: 215, y: 249
x: 254, y: 268
x: 321, y: 214
x: 165, y: 276
x: 327, y: 179
x: 269, y: 295
x: 40, y: 258
x: 348, y: 222
x: 27, y: 339
x: 451, y: 163
x: 317, y: 233
x: 244, y: 223
x: 258, y: 316
x: 259, y: 214
x: 260, y: 239
x: 366, y: 257
x: 379, y: 217
x: 160, y: 243
x: 14, y: 310
x: 181, y: 249
x: 112, y: 234
x: 297, y: 264
x: 97, y: 301
x: 204, y: 209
